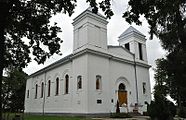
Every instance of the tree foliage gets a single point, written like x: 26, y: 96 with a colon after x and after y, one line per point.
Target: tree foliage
x: 14, y: 90
x: 166, y: 20
x: 171, y: 74
x: 30, y: 19
x: 161, y: 108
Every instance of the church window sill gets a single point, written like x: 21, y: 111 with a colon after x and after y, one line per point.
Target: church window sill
x: 99, y: 91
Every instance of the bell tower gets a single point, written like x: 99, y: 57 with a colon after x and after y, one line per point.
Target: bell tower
x: 90, y: 29
x: 135, y: 42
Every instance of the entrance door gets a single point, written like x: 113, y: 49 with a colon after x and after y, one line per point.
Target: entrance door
x: 122, y: 95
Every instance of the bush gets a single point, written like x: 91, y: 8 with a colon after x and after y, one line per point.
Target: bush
x: 182, y: 112
x: 161, y: 109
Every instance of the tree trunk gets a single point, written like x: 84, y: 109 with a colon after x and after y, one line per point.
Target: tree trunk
x: 2, y: 40
x: 3, y: 13
x: 1, y: 66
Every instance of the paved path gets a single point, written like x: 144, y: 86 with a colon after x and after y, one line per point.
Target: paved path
x: 135, y: 118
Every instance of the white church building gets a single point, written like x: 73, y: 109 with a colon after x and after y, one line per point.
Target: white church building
x: 95, y: 76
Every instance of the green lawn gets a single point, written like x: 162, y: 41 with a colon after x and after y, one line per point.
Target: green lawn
x: 35, y: 117
x: 10, y: 116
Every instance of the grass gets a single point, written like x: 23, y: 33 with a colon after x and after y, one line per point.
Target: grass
x: 10, y: 116
x: 37, y: 117
x: 120, y: 115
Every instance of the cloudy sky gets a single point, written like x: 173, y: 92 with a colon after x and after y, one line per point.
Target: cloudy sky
x: 115, y: 27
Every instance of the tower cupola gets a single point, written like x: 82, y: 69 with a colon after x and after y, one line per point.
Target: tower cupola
x: 135, y: 42
x: 90, y: 29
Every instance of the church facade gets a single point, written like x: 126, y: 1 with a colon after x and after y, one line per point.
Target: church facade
x: 95, y: 77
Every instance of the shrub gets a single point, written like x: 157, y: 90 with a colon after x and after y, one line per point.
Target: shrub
x: 161, y: 109
x: 182, y: 112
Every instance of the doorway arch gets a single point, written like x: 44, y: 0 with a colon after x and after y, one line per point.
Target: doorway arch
x: 122, y: 94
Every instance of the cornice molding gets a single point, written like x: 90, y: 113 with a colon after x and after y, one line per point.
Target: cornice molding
x: 70, y: 58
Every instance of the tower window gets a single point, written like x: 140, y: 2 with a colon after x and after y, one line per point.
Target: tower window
x: 144, y: 88
x: 28, y: 93
x: 57, y: 86
x: 127, y: 46
x: 79, y: 82
x: 42, y: 89
x: 66, y: 84
x: 140, y: 51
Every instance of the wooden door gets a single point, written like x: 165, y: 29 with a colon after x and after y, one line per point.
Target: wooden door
x: 122, y: 97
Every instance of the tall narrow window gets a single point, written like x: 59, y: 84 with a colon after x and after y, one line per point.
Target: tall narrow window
x: 28, y: 93
x: 144, y: 88
x: 36, y: 91
x: 127, y: 46
x: 98, y: 82
x: 49, y: 84
x: 79, y: 82
x: 57, y: 86
x: 66, y: 84
x: 42, y: 89
x: 140, y: 51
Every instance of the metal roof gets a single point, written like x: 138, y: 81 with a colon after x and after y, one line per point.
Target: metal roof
x: 131, y: 30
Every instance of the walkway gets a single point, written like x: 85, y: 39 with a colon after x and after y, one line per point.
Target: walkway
x: 134, y: 118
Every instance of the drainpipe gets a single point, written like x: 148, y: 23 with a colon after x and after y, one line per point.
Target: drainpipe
x: 135, y: 72
x: 43, y: 112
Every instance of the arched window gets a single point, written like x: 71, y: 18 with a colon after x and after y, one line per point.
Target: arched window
x: 42, y: 89
x: 57, y: 86
x: 36, y: 91
x: 98, y: 82
x: 49, y: 84
x: 122, y: 87
x: 66, y: 84
x: 79, y: 82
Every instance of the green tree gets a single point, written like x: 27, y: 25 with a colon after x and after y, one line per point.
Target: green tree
x: 169, y: 75
x: 14, y: 90
x: 166, y: 20
x: 5, y: 93
x: 161, y: 108
x: 30, y: 19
